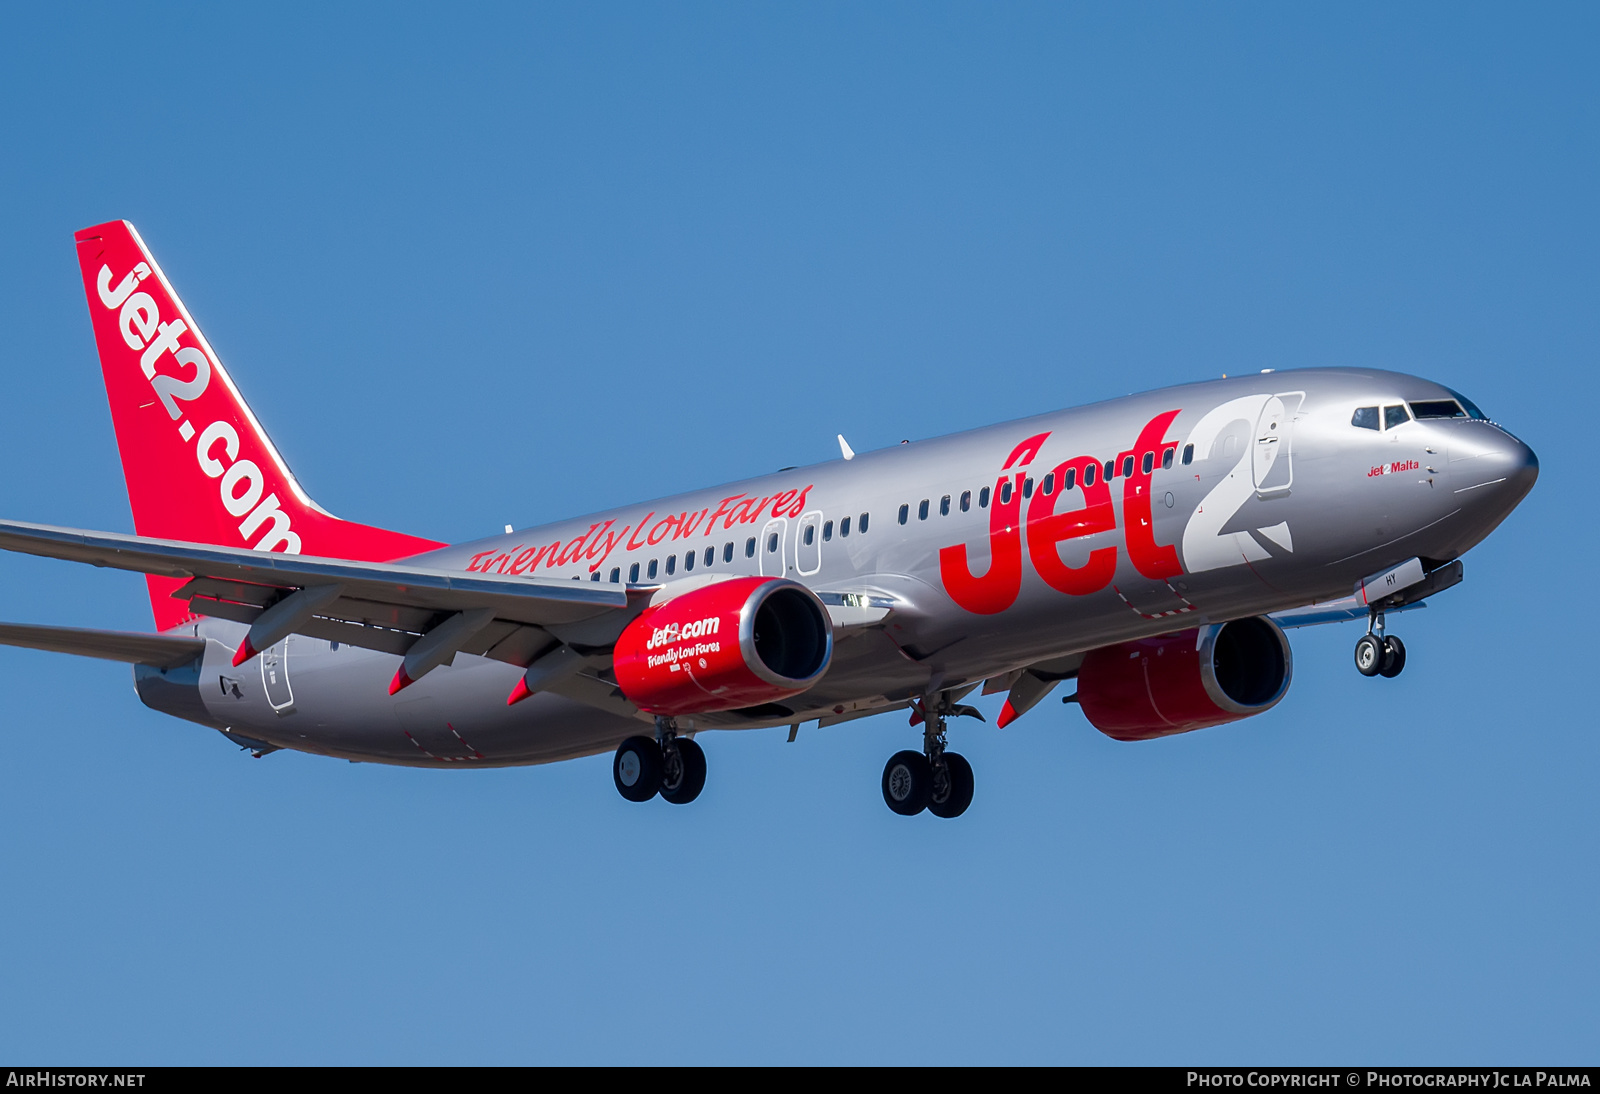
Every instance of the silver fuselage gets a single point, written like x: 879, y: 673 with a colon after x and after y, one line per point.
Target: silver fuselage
x: 1285, y: 503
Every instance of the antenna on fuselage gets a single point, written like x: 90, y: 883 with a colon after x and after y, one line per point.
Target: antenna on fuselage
x: 845, y: 449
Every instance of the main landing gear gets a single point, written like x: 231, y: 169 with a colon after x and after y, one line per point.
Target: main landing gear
x: 669, y: 765
x: 933, y: 779
x: 1378, y: 654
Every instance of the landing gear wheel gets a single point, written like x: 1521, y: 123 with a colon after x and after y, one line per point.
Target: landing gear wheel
x: 907, y: 783
x: 1370, y: 655
x: 637, y: 769
x: 1394, y: 657
x: 957, y: 789
x: 683, y: 781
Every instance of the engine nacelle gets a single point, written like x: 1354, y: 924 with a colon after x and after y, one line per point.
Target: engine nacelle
x: 732, y: 644
x: 1173, y: 683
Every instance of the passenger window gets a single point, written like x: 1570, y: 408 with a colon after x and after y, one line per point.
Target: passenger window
x: 922, y: 510
x: 1188, y: 454
x: 1005, y: 492
x: 1089, y: 473
x: 633, y: 574
x: 944, y: 506
x: 863, y: 523
x: 1395, y: 415
x: 905, y: 514
x: 844, y: 525
x: 1111, y: 469
x: 1149, y: 462
x: 711, y: 555
x: 827, y: 531
x: 651, y: 570
x: 1071, y: 480
x: 750, y: 547
x: 595, y: 576
x: 688, y: 562
x: 1366, y: 417
x: 672, y: 564
x: 772, y: 543
x: 1027, y: 488
x: 727, y: 551
x: 983, y: 498
x: 811, y: 534
x: 1049, y: 484
x: 966, y: 501
x: 1166, y: 459
x: 616, y: 574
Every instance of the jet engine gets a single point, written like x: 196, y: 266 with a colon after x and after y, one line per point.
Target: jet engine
x: 1205, y: 676
x: 733, y: 644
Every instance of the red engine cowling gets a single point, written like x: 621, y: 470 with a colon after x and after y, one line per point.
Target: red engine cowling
x: 736, y: 643
x: 1154, y: 687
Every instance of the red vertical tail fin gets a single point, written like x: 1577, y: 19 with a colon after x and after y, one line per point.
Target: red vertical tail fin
x: 199, y: 466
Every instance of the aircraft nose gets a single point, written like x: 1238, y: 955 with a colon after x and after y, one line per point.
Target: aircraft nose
x: 1524, y: 467
x: 1502, y: 469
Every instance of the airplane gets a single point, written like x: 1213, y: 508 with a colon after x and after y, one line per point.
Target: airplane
x: 1154, y: 549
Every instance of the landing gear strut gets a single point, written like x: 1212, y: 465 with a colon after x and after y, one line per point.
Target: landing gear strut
x: 1378, y: 654
x: 938, y: 781
x: 669, y: 765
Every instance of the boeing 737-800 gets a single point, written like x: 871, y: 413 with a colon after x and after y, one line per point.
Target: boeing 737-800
x: 1152, y: 548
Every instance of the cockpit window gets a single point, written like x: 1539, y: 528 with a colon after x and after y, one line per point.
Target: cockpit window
x: 1437, y: 408
x: 1394, y: 415
x: 1471, y: 407
x: 1366, y: 417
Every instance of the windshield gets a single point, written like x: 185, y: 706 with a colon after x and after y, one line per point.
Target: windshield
x: 1459, y: 407
x: 1471, y: 407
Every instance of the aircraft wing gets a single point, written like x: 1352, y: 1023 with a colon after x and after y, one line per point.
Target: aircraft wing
x: 162, y: 651
x: 377, y: 605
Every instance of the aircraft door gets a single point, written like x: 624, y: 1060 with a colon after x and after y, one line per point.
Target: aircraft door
x: 1271, y: 457
x: 771, y: 549
x: 808, y: 543
x: 275, y: 677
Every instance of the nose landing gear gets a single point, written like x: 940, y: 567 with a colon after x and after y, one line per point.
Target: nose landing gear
x: 940, y: 782
x: 1378, y: 654
x: 669, y: 765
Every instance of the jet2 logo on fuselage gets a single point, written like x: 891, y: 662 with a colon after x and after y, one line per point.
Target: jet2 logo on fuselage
x: 1261, y: 470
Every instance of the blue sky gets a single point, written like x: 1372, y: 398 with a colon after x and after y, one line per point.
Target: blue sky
x: 488, y: 267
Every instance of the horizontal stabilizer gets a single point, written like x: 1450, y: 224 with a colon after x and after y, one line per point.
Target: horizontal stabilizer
x: 162, y: 651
